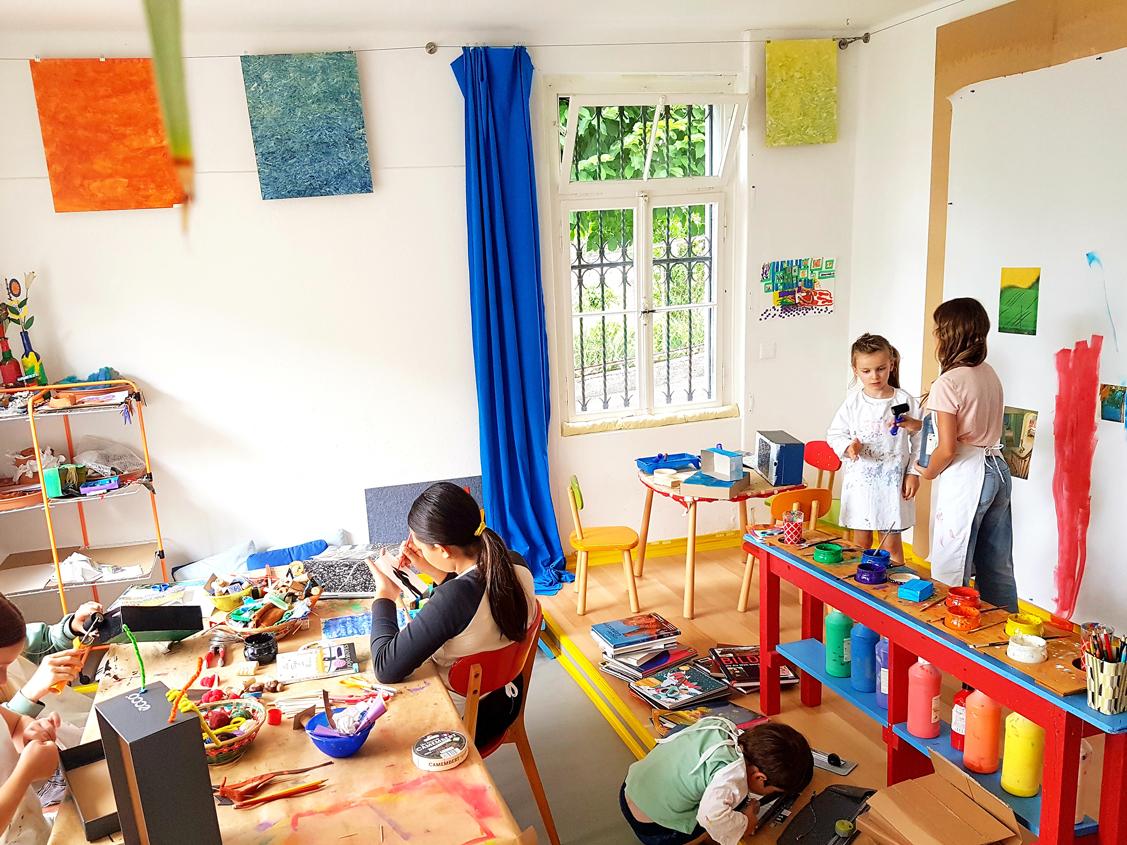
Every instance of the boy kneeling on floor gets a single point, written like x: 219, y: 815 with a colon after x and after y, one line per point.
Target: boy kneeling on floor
x: 703, y: 779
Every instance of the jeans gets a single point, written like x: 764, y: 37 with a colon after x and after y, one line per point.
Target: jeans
x: 650, y: 833
x: 990, y: 558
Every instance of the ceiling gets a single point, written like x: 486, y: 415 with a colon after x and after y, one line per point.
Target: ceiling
x: 615, y: 19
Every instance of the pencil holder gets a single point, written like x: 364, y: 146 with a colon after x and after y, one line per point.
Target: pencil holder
x: 1107, y: 685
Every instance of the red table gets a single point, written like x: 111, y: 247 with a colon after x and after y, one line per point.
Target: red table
x: 1065, y: 718
x: 759, y: 489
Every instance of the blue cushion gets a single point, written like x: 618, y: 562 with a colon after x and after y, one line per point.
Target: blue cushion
x: 282, y: 557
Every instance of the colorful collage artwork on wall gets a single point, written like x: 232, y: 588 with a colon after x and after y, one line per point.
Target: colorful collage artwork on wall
x: 798, y: 287
x: 106, y: 146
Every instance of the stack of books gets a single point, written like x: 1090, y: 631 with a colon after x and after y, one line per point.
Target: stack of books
x: 642, y: 664
x: 740, y: 666
x: 641, y: 632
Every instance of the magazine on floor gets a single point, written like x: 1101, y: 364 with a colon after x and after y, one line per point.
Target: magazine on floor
x: 685, y: 685
x: 740, y: 664
x: 669, y: 722
x: 631, y: 670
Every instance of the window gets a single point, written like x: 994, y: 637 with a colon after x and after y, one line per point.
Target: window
x: 641, y: 193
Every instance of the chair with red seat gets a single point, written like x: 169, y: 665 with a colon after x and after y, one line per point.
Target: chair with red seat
x: 482, y: 673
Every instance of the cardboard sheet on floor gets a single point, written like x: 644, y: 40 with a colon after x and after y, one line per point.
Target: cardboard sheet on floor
x: 944, y: 808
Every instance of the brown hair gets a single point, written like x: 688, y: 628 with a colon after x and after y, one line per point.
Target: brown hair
x: 781, y: 753
x: 961, y: 327
x: 13, y: 629
x: 870, y: 344
x: 447, y: 515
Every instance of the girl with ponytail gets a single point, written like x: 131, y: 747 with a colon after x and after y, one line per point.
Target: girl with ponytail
x: 483, y: 598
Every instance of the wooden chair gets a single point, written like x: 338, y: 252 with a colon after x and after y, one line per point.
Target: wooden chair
x: 811, y: 501
x: 585, y: 539
x: 482, y: 673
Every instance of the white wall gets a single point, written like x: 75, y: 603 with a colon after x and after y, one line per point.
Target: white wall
x: 295, y: 352
x: 893, y: 182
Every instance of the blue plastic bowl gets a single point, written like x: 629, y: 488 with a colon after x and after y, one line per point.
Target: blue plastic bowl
x: 335, y: 746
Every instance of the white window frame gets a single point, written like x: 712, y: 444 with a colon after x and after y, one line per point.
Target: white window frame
x: 642, y: 195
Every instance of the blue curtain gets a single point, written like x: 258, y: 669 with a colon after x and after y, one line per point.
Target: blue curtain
x: 507, y: 304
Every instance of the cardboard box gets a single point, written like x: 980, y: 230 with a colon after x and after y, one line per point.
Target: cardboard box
x: 88, y: 780
x: 158, y: 770
x: 777, y: 457
x: 945, y: 808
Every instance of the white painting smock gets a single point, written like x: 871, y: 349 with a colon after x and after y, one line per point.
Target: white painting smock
x: 871, y: 487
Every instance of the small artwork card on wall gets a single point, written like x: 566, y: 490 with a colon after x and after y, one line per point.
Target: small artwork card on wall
x: 798, y: 287
x: 1017, y: 302
x: 1113, y: 397
x: 1018, y: 433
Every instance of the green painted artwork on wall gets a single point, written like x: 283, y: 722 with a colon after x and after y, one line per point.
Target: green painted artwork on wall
x: 801, y: 92
x: 1017, y: 302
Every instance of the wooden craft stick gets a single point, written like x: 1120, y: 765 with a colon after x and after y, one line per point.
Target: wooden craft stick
x: 328, y: 710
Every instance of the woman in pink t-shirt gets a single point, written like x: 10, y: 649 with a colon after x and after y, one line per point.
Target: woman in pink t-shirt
x: 972, y: 529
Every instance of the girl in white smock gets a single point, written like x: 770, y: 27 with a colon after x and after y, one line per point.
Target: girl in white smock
x: 880, y: 479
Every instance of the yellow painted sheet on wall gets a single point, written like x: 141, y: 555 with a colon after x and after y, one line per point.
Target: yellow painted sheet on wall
x: 801, y: 92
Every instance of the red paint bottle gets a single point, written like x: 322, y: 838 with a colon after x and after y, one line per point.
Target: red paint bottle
x: 959, y: 720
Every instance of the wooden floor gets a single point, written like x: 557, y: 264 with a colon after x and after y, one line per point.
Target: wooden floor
x: 835, y: 726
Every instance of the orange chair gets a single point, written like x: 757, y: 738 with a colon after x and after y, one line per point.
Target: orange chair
x: 482, y: 673
x: 811, y: 501
x: 613, y: 538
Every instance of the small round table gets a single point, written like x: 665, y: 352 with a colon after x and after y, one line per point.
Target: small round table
x: 759, y: 489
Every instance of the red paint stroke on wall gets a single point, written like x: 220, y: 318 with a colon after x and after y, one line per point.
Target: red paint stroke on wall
x: 1074, y: 443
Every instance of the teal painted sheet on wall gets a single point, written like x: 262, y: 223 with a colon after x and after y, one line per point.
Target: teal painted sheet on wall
x: 307, y: 121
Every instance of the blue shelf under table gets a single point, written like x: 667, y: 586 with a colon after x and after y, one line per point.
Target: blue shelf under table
x: 810, y: 657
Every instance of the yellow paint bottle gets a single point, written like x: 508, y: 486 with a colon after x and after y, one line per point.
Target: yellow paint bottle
x: 1024, y: 756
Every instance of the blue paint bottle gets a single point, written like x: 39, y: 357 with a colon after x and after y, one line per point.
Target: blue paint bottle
x: 882, y: 662
x: 862, y: 667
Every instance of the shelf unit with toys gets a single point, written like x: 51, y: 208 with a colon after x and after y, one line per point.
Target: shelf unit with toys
x: 66, y: 401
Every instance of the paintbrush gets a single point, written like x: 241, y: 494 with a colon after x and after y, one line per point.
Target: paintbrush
x: 1007, y: 642
x: 932, y: 604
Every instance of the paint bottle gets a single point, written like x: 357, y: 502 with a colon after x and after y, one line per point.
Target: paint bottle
x: 863, y: 658
x: 1085, y: 766
x: 923, y: 700
x: 882, y: 672
x: 984, y: 727
x: 838, y: 647
x: 959, y: 719
x: 1024, y: 758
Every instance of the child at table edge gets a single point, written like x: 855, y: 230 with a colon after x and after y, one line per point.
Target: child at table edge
x: 28, y: 752
x: 50, y: 647
x: 703, y: 779
x: 484, y: 600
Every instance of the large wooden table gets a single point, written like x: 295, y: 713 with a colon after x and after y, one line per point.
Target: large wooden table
x: 379, y: 787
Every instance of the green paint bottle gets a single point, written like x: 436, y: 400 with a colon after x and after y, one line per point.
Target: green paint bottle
x: 838, y: 628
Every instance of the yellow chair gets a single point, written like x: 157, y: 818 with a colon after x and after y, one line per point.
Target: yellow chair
x: 613, y: 538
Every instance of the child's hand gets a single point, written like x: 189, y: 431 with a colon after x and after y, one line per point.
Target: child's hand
x: 83, y: 615
x: 385, y: 587
x: 38, y: 760
x: 752, y: 812
x: 42, y: 730
x: 911, y: 485
x: 909, y: 424
x: 853, y: 450
x: 61, y: 667
x: 419, y: 563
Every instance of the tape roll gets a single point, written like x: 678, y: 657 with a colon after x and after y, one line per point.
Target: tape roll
x: 1024, y: 623
x: 440, y: 750
x: 1027, y: 648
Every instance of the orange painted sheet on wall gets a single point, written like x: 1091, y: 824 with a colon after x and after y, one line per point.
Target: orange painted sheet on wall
x: 103, y: 136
